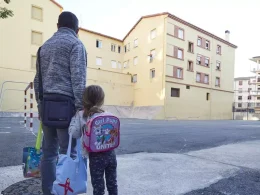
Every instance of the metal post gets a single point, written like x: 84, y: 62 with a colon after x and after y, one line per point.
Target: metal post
x: 31, y: 106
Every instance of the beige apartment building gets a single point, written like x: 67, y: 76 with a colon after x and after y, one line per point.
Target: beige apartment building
x: 164, y: 68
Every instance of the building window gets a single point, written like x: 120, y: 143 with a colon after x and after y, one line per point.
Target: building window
x: 36, y: 38
x: 207, y: 96
x: 206, y: 79
x: 218, y: 49
x: 152, y: 73
x: 180, y: 53
x: 153, y: 34
x: 240, y: 97
x: 179, y: 73
x: 218, y: 65
x: 240, y: 82
x: 217, y: 81
x: 37, y: 13
x: 199, y: 41
x: 207, y: 46
x: 126, y: 64
x: 191, y: 47
x: 128, y: 47
x: 98, y: 43
x: 207, y: 62
x: 134, y: 78
x: 187, y: 87
x: 249, y: 89
x: 33, y: 62
x: 175, y: 92
x: 249, y: 97
x: 119, y: 65
x: 135, y: 60
x: 98, y: 61
x: 113, y: 64
x: 152, y: 55
x: 135, y: 42
x: 113, y: 47
x: 119, y: 49
x: 190, y: 65
x: 125, y: 48
x: 199, y: 59
x: 239, y: 105
x: 198, y: 77
x: 240, y: 90
x: 180, y: 33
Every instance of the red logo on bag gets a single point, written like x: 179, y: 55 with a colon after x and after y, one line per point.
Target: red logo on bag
x: 66, y: 187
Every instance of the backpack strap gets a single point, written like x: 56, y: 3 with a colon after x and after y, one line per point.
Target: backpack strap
x: 40, y: 75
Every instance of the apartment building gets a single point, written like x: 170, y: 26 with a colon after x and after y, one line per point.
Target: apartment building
x: 244, y: 93
x: 164, y: 68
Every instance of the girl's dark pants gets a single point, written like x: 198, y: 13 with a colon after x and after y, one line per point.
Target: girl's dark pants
x: 100, y: 164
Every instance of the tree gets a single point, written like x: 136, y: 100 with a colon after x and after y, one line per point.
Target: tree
x: 4, y: 12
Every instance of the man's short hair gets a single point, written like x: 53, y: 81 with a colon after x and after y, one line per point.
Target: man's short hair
x: 69, y: 20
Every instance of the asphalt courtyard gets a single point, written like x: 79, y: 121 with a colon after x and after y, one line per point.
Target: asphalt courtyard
x: 164, y: 157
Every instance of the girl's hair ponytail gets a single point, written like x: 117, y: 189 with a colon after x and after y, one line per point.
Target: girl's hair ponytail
x: 93, y: 99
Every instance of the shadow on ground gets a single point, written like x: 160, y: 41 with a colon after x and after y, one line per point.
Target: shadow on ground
x: 246, y: 182
x: 25, y: 187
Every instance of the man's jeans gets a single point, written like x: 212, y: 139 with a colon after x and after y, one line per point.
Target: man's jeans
x: 54, y: 140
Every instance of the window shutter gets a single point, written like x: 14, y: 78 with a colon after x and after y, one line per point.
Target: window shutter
x: 202, y: 77
x: 176, y: 31
x: 202, y: 60
x: 203, y: 44
x: 175, y: 52
x: 182, y: 73
x: 174, y: 71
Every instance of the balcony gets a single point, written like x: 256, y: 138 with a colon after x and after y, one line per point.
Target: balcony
x: 255, y: 69
x: 255, y: 81
x: 254, y: 93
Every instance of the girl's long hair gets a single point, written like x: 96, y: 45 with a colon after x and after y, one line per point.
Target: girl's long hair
x: 93, y: 99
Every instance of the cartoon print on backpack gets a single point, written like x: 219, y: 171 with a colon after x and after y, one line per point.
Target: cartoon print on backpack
x: 103, y: 133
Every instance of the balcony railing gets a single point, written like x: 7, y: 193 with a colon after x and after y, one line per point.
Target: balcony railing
x: 254, y: 93
x: 255, y: 69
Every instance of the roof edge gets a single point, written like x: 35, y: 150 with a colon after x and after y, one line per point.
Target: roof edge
x: 147, y: 16
x: 100, y: 34
x: 183, y: 22
x: 56, y: 3
x: 201, y: 30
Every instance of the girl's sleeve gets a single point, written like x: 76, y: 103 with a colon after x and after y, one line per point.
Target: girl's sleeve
x: 75, y: 126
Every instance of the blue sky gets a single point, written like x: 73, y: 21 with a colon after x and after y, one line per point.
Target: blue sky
x: 116, y: 17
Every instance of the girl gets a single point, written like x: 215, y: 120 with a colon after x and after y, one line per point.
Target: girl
x: 102, y: 162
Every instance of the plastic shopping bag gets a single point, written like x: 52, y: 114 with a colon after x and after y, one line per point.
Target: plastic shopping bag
x: 32, y: 158
x: 71, y: 175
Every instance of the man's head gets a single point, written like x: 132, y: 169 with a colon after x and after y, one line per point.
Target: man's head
x: 69, y: 20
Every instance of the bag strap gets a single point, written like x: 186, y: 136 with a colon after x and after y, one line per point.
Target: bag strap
x: 39, y: 139
x: 40, y: 75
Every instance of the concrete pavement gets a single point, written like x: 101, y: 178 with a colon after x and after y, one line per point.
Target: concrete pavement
x: 160, y: 157
x: 176, y: 174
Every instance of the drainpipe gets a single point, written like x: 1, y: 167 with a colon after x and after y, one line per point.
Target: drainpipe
x: 164, y: 67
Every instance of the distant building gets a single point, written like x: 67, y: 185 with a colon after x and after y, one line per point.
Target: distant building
x: 244, y: 93
x: 164, y: 68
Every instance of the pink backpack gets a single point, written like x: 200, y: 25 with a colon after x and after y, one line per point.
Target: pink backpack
x: 101, y: 133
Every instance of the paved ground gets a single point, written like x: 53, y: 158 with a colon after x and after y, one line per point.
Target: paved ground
x: 173, y: 157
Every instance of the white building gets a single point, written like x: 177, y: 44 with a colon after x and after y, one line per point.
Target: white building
x: 244, y: 90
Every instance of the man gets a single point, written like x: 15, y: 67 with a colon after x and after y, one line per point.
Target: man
x: 63, y: 62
